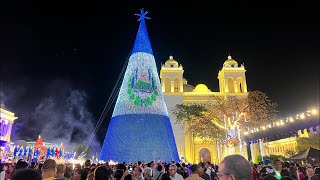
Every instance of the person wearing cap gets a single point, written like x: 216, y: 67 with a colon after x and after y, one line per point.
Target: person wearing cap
x: 49, y: 169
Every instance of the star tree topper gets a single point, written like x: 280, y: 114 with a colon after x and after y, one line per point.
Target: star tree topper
x: 142, y: 15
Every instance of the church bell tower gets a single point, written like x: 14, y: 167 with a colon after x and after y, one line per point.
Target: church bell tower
x: 232, y: 78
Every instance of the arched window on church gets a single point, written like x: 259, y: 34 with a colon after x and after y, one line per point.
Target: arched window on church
x: 176, y: 83
x: 231, y: 84
x: 167, y: 83
x: 240, y: 84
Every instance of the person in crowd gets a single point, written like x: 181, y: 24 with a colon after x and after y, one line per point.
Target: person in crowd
x: 93, y: 166
x: 309, y: 173
x: 85, y: 170
x: 158, y: 172
x: 76, y: 174
x: 293, y: 172
x: 301, y: 173
x: 21, y: 164
x: 235, y: 167
x: 147, y: 174
x: 254, y: 171
x: 68, y: 172
x: 61, y: 170
x: 26, y: 174
x: 101, y: 173
x: 2, y: 172
x: 49, y: 169
x: 90, y: 176
x: 194, y: 173
x: 285, y: 174
x: 201, y: 172
x: 119, y: 171
x: 210, y: 171
x: 173, y: 173
x: 32, y: 165
x: 263, y: 173
x: 137, y: 173
x: 39, y: 167
x: 316, y: 173
x: 181, y: 171
x: 186, y: 169
x: 286, y: 166
x: 166, y: 176
x: 277, y: 168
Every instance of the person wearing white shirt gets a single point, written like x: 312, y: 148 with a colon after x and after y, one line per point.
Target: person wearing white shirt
x: 173, y: 173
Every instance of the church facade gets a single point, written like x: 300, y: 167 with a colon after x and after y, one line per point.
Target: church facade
x: 232, y: 82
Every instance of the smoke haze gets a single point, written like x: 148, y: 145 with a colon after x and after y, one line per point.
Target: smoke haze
x: 57, y: 112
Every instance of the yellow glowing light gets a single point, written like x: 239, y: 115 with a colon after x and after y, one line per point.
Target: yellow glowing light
x: 313, y: 111
x: 281, y: 122
x: 291, y: 119
x: 302, y: 116
x: 201, y: 88
x: 219, y: 125
x: 264, y: 128
x: 277, y: 123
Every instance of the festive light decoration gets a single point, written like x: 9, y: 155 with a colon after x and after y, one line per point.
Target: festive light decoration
x: 39, y: 149
x: 301, y: 116
x: 140, y: 127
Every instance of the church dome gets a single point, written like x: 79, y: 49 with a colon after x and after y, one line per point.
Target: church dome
x: 171, y: 62
x: 230, y: 62
x: 201, y: 88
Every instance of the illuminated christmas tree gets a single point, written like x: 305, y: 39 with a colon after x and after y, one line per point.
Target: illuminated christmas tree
x: 140, y: 127
x: 40, y: 146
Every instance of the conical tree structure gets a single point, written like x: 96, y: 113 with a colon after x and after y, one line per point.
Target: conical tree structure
x: 40, y: 146
x: 140, y: 128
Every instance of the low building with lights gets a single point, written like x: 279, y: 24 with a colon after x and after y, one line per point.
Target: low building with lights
x: 7, y: 119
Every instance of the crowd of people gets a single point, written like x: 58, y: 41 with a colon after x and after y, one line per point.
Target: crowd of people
x: 286, y: 171
x: 233, y: 167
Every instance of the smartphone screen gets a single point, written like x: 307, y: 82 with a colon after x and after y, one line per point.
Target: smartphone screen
x: 130, y: 169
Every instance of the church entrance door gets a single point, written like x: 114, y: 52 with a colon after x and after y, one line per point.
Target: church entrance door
x: 205, y: 155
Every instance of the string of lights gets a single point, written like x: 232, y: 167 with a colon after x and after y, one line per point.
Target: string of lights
x: 281, y: 122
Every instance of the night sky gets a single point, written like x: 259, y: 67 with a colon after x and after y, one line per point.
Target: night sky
x: 86, y: 44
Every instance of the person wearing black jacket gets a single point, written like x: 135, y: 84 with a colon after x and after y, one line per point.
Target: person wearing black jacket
x: 202, y: 173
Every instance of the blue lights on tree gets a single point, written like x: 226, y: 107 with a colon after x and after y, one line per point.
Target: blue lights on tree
x: 140, y: 128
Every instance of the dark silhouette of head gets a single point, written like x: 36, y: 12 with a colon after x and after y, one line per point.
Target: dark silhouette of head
x: 237, y: 166
x: 26, y: 174
x: 101, y: 173
x: 21, y: 165
x: 193, y: 169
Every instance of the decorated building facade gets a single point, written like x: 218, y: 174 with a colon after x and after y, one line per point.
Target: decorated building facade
x: 232, y: 82
x: 7, y: 119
